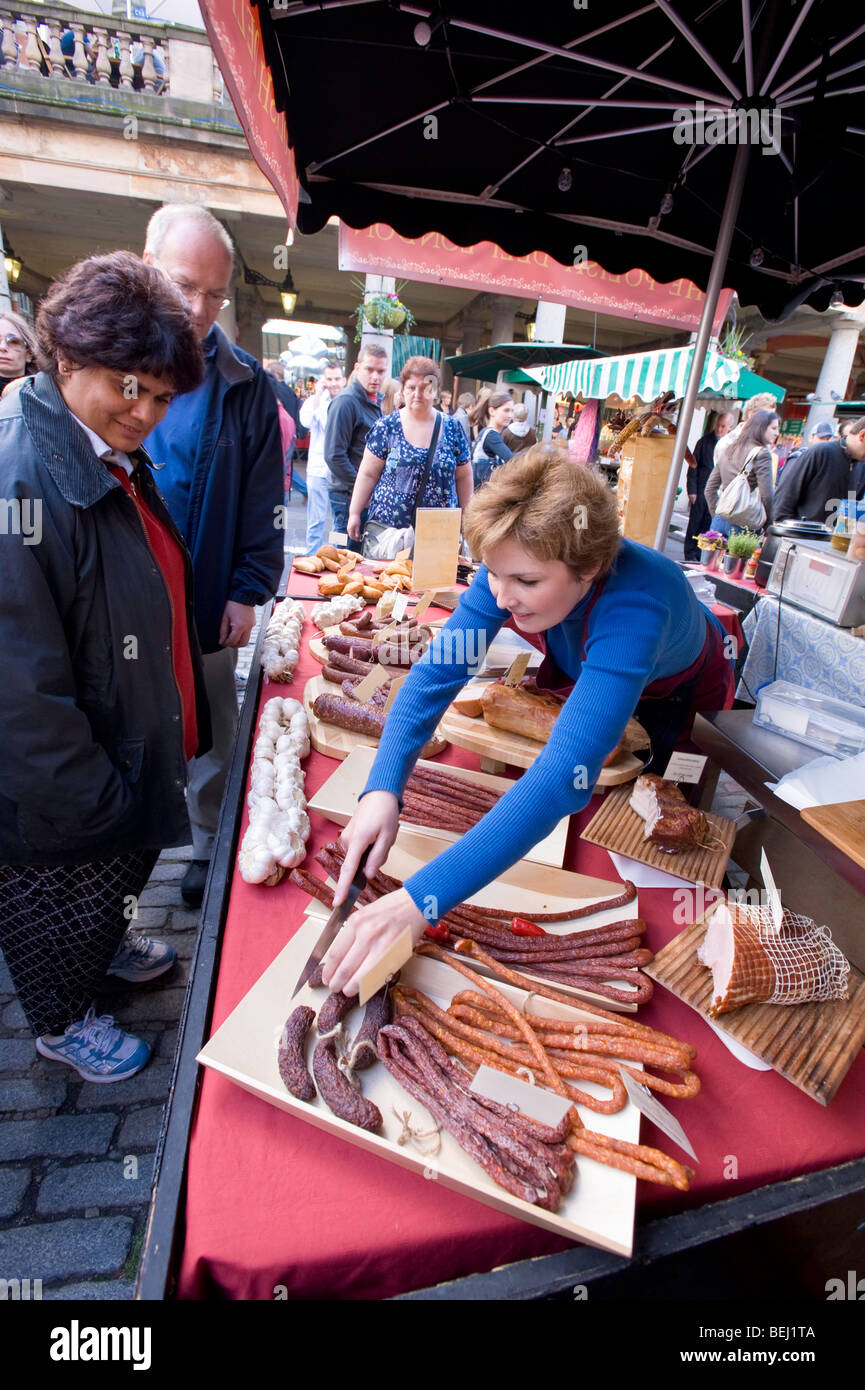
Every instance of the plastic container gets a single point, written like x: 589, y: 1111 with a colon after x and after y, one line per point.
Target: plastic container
x: 832, y: 726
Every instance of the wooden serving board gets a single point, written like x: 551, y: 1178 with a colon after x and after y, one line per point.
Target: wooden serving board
x: 598, y: 1210
x: 337, y: 799
x: 335, y: 742
x: 617, y: 827
x: 812, y: 1045
x: 525, y: 890
x: 498, y: 749
x: 842, y: 824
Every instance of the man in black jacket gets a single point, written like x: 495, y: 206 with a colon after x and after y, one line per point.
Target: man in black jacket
x: 349, y: 420
x: 824, y: 475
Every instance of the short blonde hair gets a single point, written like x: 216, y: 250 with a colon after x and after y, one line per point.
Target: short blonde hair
x: 553, y: 508
x: 764, y: 400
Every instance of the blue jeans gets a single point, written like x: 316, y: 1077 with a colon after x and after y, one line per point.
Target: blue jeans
x: 317, y: 506
x: 726, y: 528
x: 339, y: 505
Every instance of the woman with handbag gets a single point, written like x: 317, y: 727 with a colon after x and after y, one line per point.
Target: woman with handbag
x: 414, y: 457
x: 747, y: 465
x: 491, y: 415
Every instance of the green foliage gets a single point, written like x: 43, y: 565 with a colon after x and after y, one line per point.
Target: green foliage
x: 743, y: 544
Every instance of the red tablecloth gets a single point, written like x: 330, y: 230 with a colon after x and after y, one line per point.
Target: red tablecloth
x: 273, y: 1201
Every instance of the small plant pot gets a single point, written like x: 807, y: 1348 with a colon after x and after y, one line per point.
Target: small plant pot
x: 734, y: 566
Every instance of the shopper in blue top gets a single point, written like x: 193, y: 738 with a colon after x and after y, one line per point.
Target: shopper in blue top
x: 622, y: 632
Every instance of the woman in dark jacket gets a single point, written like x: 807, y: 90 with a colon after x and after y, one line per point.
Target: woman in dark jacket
x: 101, y: 700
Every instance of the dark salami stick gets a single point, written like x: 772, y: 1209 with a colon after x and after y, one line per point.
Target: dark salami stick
x: 378, y: 1013
x: 332, y: 1012
x: 341, y: 1097
x: 349, y: 714
x: 292, y: 1067
x: 339, y: 662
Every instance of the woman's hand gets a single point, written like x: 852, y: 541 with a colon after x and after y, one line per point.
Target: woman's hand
x: 375, y: 822
x: 353, y: 526
x: 367, y: 935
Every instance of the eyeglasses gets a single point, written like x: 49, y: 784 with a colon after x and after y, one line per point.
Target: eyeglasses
x: 12, y: 340
x: 189, y: 291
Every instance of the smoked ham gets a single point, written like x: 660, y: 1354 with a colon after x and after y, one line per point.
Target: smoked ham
x: 517, y: 710
x: 671, y: 824
x: 751, y: 963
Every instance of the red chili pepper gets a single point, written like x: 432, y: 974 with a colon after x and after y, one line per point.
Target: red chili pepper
x: 438, y: 933
x: 521, y: 927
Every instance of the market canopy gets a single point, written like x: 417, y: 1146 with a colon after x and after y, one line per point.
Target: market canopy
x: 486, y: 363
x: 554, y: 129
x: 648, y: 374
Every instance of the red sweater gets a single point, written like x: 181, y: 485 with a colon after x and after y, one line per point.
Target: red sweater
x: 169, y: 557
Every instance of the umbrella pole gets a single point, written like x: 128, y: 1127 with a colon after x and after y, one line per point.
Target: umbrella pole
x: 710, y: 304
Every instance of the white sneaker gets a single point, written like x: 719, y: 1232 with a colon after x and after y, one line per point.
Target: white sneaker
x: 140, y: 959
x: 96, y: 1048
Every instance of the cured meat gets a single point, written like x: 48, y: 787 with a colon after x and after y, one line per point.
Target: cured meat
x: 671, y: 823
x: 752, y: 964
x: 349, y: 714
x: 519, y: 711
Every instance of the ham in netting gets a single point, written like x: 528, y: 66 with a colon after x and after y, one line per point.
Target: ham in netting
x: 752, y: 964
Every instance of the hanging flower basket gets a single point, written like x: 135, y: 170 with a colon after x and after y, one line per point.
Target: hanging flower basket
x: 383, y: 311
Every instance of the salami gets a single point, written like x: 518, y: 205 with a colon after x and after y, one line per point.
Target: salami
x: 337, y: 1092
x: 349, y: 714
x: 292, y: 1067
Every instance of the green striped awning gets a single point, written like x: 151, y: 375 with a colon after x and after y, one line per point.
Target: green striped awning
x: 647, y: 374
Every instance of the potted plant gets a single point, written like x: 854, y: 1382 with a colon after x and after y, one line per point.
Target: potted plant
x: 740, y: 548
x: 383, y: 311
x: 710, y: 544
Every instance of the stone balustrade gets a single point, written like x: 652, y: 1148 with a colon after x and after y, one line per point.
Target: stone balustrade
x: 109, y: 51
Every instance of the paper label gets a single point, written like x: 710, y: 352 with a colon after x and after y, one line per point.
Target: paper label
x: 653, y: 1110
x: 423, y: 603
x: 394, y: 689
x: 517, y: 669
x: 400, y: 604
x: 518, y: 1095
x: 337, y: 538
x: 685, y: 767
x: 403, y: 554
x: 385, y: 605
x: 382, y: 634
x: 774, y: 896
x: 386, y: 966
x: 370, y: 684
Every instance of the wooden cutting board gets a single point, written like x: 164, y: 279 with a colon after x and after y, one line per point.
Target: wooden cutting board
x: 617, y: 827
x: 842, y: 824
x: 498, y: 749
x: 812, y: 1045
x: 335, y: 742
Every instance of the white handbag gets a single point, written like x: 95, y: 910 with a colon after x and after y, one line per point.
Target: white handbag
x: 739, y: 503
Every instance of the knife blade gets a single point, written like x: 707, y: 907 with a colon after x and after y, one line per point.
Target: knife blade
x: 333, y: 924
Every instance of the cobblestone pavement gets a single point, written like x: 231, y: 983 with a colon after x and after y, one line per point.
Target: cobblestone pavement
x: 76, y: 1159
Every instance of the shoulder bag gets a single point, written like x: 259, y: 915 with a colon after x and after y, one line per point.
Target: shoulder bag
x: 381, y: 542
x: 739, y: 503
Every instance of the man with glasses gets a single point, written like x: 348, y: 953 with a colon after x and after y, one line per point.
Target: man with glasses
x: 219, y: 456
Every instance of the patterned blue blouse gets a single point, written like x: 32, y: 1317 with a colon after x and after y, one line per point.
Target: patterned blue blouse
x: 403, y: 468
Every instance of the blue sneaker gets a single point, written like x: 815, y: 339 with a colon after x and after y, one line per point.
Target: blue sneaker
x: 139, y: 959
x: 96, y: 1048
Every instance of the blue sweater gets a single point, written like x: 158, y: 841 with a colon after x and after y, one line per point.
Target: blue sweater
x: 646, y: 625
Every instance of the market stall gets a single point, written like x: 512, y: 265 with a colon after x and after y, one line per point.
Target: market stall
x: 253, y: 1202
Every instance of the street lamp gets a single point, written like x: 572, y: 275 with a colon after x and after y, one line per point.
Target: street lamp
x: 12, y: 263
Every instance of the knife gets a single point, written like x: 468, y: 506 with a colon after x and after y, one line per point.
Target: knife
x: 333, y: 924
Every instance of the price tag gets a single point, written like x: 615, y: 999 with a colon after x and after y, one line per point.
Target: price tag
x: 517, y: 668
x: 403, y: 555
x: 396, y: 685
x: 381, y: 634
x: 370, y: 684
x: 400, y: 604
x: 423, y: 603
x: 685, y: 767
x: 386, y: 966
x: 652, y: 1108
x: 774, y: 895
x: 385, y: 605
x: 337, y: 538
x: 518, y: 1095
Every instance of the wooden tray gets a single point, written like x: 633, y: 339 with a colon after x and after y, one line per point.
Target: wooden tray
x: 842, y: 824
x: 617, y: 827
x: 524, y: 889
x: 498, y: 749
x: 599, y: 1209
x: 334, y: 742
x: 812, y: 1045
x: 337, y: 800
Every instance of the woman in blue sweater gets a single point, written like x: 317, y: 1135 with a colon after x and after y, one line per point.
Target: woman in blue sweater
x: 621, y: 631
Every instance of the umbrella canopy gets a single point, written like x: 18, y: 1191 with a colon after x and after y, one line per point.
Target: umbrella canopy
x: 486, y: 363
x: 549, y: 129
x: 648, y: 374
